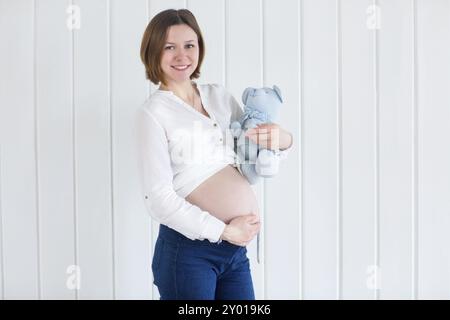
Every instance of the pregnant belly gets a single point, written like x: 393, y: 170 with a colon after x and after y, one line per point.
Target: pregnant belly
x: 226, y: 195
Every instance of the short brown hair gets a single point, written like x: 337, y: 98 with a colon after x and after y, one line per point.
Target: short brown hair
x: 154, y: 39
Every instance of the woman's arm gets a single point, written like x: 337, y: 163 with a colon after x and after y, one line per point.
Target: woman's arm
x: 161, y: 200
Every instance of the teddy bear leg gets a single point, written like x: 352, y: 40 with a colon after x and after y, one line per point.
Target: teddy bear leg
x: 250, y: 124
x: 249, y: 172
x: 267, y: 163
x: 235, y: 129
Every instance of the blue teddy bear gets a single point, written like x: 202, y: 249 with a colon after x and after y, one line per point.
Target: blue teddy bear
x: 261, y: 106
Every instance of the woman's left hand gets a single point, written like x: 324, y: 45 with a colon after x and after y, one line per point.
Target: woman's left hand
x: 270, y: 136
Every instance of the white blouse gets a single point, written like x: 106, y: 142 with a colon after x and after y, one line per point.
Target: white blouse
x: 178, y: 149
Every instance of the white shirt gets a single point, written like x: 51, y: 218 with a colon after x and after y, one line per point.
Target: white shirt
x: 178, y: 149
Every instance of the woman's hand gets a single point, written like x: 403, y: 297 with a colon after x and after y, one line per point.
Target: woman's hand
x: 241, y: 230
x: 270, y: 136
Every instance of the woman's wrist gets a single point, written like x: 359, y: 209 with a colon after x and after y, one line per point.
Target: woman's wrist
x: 225, y: 233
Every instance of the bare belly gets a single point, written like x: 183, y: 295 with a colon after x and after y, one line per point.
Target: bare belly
x: 226, y: 195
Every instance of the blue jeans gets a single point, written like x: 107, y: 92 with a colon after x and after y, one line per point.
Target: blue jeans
x: 200, y: 270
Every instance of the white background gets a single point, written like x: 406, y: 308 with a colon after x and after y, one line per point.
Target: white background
x: 359, y: 210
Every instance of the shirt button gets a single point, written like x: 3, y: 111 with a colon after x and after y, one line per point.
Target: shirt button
x: 215, y: 124
x: 220, y: 139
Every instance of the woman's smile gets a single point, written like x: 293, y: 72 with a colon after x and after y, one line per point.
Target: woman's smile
x: 181, y: 67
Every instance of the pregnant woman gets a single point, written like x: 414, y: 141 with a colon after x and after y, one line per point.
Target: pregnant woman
x: 207, y: 210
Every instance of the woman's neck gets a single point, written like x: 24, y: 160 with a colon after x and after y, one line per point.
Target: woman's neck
x: 184, y: 90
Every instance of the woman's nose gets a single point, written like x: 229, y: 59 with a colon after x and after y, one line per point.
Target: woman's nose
x: 180, y: 53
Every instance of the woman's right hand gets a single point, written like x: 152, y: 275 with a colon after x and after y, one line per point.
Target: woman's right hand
x: 241, y: 230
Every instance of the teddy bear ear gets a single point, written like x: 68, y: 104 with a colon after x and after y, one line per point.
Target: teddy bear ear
x: 246, y: 94
x: 278, y: 92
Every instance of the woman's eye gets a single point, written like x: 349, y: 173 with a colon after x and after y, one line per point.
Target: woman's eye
x: 188, y: 46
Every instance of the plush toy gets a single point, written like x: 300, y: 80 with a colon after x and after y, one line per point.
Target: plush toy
x: 261, y: 106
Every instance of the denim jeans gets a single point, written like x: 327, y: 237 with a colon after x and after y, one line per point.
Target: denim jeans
x: 200, y: 270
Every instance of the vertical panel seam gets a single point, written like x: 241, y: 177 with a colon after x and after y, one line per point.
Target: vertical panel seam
x: 74, y: 173
x: 339, y: 275
x: 262, y: 43
x: 148, y: 20
x: 415, y: 193
x: 262, y: 82
x: 300, y: 139
x: 262, y: 237
x: 225, y: 44
x: 111, y: 150
x: 377, y: 150
x: 36, y: 159
x: 151, y: 222
x: 2, y: 265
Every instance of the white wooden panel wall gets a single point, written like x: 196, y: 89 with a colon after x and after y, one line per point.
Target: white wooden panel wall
x: 280, y: 66
x: 132, y: 228
x: 320, y: 140
x: 395, y: 65
x: 433, y: 151
x: 357, y: 150
x: 92, y: 147
x: 55, y: 153
x: 244, y: 64
x: 19, y: 207
x: 359, y: 210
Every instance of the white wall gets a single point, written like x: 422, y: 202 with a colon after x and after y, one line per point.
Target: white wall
x: 365, y: 192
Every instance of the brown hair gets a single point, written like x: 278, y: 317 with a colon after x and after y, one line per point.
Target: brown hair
x: 154, y: 39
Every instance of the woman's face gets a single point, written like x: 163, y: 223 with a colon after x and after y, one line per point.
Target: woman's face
x: 179, y: 58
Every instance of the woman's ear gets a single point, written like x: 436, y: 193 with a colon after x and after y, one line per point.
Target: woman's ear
x: 278, y: 92
x: 246, y: 94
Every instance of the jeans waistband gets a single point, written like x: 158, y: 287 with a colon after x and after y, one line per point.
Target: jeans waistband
x: 173, y: 236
